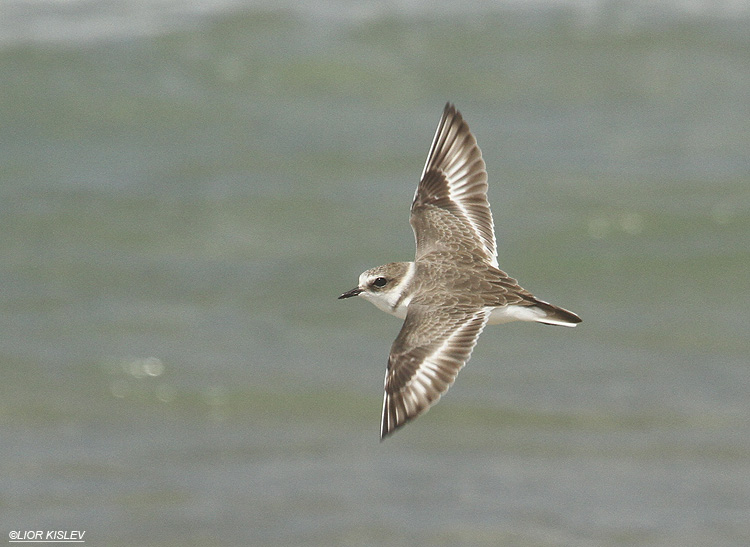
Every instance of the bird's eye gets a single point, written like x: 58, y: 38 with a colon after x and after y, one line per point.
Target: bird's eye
x: 380, y: 282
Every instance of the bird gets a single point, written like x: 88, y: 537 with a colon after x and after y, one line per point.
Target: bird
x: 454, y: 287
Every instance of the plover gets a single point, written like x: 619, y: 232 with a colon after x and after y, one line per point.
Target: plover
x: 454, y: 287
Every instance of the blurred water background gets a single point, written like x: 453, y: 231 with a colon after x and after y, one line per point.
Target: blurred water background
x: 185, y: 189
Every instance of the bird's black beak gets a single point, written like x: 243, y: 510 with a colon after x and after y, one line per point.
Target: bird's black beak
x: 348, y: 294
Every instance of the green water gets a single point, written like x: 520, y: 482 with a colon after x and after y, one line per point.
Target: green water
x: 179, y: 211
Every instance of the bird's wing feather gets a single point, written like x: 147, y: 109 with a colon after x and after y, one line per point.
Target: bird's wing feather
x: 450, y: 208
x: 433, y: 345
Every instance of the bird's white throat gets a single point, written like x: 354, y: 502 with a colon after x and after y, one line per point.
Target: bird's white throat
x: 393, y: 301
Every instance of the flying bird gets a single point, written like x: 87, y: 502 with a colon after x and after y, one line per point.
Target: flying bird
x: 454, y: 287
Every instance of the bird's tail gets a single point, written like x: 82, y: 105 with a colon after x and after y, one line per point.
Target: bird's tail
x: 554, y: 315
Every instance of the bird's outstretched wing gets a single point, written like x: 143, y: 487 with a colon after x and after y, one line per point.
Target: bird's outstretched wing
x: 450, y: 208
x: 433, y: 345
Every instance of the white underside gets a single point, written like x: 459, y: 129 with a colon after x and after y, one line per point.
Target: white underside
x: 506, y: 314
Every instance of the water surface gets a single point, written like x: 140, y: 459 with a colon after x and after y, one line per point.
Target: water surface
x: 185, y: 192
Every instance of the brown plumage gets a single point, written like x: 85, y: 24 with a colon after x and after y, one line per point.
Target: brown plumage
x: 454, y: 287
